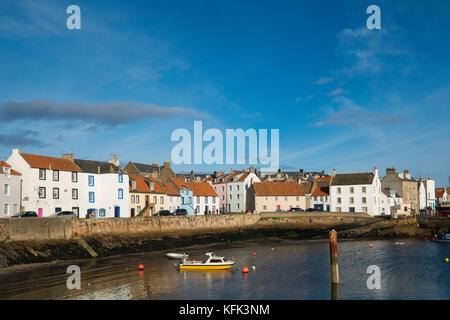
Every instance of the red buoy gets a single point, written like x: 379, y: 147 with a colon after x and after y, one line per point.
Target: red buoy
x: 244, y: 270
x: 398, y: 249
x: 141, y: 267
x: 254, y: 253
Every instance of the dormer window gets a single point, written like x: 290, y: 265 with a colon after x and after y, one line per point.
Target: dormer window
x: 133, y: 184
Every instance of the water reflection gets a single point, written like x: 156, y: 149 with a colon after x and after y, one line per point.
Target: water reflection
x: 283, y: 270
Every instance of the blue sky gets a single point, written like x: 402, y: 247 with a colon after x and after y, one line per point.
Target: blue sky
x: 343, y: 96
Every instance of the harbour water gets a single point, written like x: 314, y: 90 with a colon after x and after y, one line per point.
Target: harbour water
x: 285, y: 270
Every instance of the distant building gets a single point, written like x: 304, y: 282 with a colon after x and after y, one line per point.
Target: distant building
x: 196, y: 195
x: 10, y: 189
x: 320, y: 199
x: 161, y: 173
x: 441, y: 195
x: 273, y: 196
x: 427, y: 194
x: 406, y: 186
x: 393, y: 203
x: 357, y: 192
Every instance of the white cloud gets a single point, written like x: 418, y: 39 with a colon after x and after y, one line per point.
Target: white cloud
x: 324, y: 80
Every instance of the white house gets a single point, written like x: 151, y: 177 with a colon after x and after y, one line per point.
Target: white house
x: 320, y: 199
x: 237, y: 190
x: 104, y: 189
x: 49, y: 184
x: 427, y: 194
x: 10, y: 189
x: 357, y: 192
x: 392, y: 203
x: 203, y: 200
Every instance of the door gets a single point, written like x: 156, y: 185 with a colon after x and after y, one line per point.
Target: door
x: 278, y: 207
x: 116, y: 212
x: 40, y: 212
x: 146, y: 200
x: 132, y: 212
x: 76, y: 210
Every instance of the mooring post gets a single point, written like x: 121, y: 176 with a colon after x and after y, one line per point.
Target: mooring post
x: 334, y: 258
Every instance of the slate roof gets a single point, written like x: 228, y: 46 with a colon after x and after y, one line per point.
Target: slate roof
x: 278, y: 189
x: 146, y: 168
x: 50, y: 163
x: 348, y: 179
x: 90, y: 166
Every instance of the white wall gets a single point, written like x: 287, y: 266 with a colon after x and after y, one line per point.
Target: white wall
x: 202, y: 202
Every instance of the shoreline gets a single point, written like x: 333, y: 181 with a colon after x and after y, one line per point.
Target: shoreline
x: 284, y: 228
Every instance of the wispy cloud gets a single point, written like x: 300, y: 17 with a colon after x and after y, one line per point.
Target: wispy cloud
x: 336, y: 92
x: 347, y: 112
x: 324, y: 80
x: 113, y: 113
x: 21, y: 138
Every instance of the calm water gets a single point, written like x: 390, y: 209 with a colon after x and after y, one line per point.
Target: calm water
x: 284, y: 270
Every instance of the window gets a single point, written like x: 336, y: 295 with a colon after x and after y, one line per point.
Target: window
x: 41, y: 192
x: 223, y: 188
x: 339, y: 190
x: 276, y: 198
x: 6, y: 191
x: 238, y: 196
x: 285, y: 198
x: 120, y: 193
x: 74, y: 176
x: 364, y: 209
x: 41, y: 174
x: 265, y: 208
x: 230, y: 187
x: 74, y: 194
x: 297, y: 198
x: 161, y: 200
x: 91, y: 181
x: 91, y: 197
x: 55, y: 193
x: 231, y: 197
x: 6, y: 209
x: 223, y: 197
x: 352, y: 200
x: 198, y: 199
x: 155, y: 200
x: 315, y: 198
x: 137, y: 199
x: 237, y: 187
x: 363, y: 189
x: 197, y: 209
x: 206, y: 199
x: 364, y: 200
x: 138, y: 209
x: 238, y: 205
x: 352, y: 209
x: 339, y: 200
x: 102, y: 213
x: 120, y: 178
x: 352, y: 190
x: 338, y: 209
x: 55, y: 175
x: 132, y: 199
x: 214, y: 200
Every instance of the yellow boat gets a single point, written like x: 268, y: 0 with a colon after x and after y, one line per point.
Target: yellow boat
x: 212, y: 263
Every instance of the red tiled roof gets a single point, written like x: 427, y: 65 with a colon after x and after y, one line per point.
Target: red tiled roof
x: 324, y: 178
x: 168, y: 188
x: 44, y: 162
x: 6, y: 165
x: 278, y: 189
x: 202, y: 189
x: 439, y: 192
x: 320, y: 192
x: 141, y: 185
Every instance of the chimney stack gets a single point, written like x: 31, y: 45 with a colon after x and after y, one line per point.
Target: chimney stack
x: 68, y: 156
x: 166, y: 164
x: 375, y: 171
x: 17, y: 150
x: 115, y: 161
x: 334, y: 173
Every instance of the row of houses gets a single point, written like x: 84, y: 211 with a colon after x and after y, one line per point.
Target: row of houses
x: 103, y: 189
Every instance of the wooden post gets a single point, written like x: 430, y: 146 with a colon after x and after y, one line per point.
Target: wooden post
x: 334, y: 257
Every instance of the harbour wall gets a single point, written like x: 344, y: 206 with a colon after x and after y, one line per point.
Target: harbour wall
x: 34, y: 240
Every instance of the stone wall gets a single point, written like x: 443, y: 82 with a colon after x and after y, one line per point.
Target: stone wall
x: 163, y: 225
x: 40, y: 229
x: 4, y: 229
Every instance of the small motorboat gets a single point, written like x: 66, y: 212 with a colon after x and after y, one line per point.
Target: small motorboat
x: 178, y: 256
x: 443, y: 238
x: 212, y: 263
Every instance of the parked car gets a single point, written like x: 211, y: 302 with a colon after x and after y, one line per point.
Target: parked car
x: 180, y: 212
x: 311, y: 210
x: 279, y: 210
x: 164, y: 213
x: 296, y: 210
x: 25, y: 214
x: 63, y: 214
